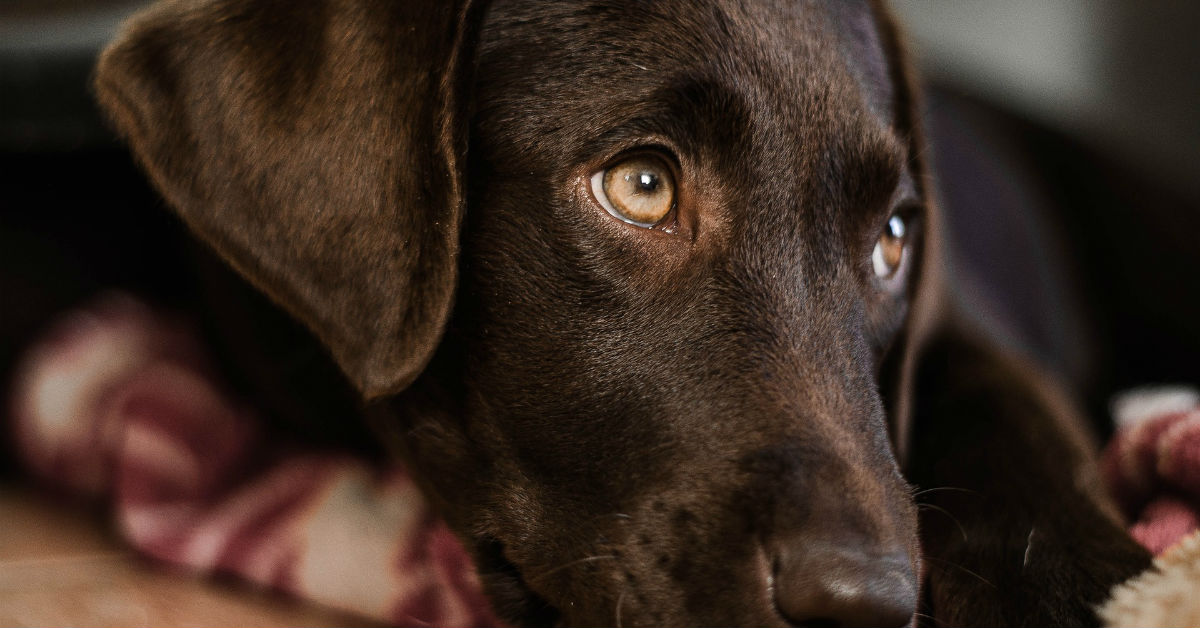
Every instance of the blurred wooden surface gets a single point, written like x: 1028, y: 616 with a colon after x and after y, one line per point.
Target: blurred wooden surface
x: 61, y: 565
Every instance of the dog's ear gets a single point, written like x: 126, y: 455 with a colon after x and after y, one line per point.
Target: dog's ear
x: 315, y: 146
x: 927, y: 289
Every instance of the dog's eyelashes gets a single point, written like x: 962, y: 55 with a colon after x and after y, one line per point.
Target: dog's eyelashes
x: 639, y: 190
x: 889, y: 249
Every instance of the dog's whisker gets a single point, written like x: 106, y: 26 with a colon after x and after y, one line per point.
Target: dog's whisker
x: 935, y: 620
x: 620, y: 600
x: 615, y: 515
x: 936, y: 489
x: 963, y: 569
x: 586, y: 559
x: 958, y: 523
x: 419, y: 430
x: 1028, y: 548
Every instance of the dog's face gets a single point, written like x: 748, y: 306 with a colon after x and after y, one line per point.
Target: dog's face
x: 687, y: 250
x: 692, y: 231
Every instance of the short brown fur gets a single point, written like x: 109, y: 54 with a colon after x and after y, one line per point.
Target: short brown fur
x: 632, y: 427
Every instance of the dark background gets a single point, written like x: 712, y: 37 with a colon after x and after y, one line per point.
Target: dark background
x: 1067, y: 142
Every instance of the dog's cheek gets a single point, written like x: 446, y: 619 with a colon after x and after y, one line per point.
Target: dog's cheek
x: 427, y: 429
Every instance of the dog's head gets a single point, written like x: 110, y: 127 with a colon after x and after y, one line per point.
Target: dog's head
x: 636, y: 282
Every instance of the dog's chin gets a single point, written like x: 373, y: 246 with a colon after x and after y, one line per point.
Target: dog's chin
x: 516, y: 604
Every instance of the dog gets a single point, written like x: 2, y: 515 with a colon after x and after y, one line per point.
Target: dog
x: 649, y: 296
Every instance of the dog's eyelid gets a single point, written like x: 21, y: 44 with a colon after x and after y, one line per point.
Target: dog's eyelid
x: 651, y: 147
x: 910, y: 211
x: 906, y: 191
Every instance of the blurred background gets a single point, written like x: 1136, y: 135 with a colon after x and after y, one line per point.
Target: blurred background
x: 1072, y: 131
x: 1064, y: 137
x: 1120, y: 75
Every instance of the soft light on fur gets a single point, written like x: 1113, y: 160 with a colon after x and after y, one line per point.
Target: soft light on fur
x: 721, y: 412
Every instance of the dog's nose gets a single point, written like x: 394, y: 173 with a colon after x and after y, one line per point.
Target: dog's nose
x: 845, y: 587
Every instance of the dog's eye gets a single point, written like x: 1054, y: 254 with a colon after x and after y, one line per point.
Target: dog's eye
x: 889, y: 249
x: 639, y: 190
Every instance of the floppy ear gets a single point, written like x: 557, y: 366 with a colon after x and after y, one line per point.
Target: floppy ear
x: 315, y: 146
x: 927, y: 290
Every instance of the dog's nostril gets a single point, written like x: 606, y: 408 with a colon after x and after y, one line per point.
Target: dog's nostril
x: 837, y: 587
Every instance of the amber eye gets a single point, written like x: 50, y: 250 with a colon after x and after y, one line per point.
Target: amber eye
x: 889, y: 249
x: 639, y: 190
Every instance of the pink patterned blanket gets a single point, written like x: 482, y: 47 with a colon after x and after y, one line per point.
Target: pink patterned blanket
x: 1152, y: 464
x: 120, y: 404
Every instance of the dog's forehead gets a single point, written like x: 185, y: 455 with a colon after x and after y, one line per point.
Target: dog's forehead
x: 857, y: 26
x: 592, y: 56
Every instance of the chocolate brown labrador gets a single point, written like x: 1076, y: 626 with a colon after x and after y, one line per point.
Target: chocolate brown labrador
x: 648, y: 294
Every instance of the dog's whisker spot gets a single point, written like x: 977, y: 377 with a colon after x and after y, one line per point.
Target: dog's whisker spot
x: 573, y: 563
x: 958, y: 523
